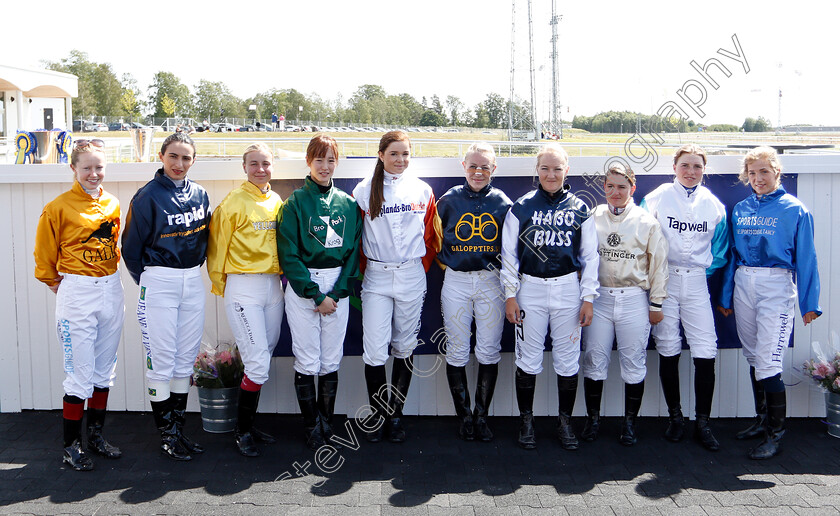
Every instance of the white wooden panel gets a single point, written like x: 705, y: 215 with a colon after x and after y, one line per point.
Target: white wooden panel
x: 38, y: 363
x: 504, y: 398
x: 727, y: 384
x: 10, y: 378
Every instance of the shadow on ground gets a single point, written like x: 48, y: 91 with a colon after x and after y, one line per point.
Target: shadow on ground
x: 432, y: 462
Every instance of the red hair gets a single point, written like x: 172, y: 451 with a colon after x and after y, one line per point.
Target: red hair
x: 318, y: 147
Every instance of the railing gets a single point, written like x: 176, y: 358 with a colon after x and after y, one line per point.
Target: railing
x: 119, y: 149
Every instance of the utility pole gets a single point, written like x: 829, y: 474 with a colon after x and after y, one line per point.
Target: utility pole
x: 556, y: 115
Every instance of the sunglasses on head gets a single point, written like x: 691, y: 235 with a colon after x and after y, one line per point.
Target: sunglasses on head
x: 82, y: 143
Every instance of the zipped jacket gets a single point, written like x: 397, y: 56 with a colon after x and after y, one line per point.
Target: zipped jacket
x: 633, y: 252
x: 319, y: 230
x: 775, y: 230
x: 469, y: 226
x: 242, y: 237
x: 549, y: 236
x: 166, y: 226
x: 404, y: 229
x: 77, y: 234
x: 693, y: 223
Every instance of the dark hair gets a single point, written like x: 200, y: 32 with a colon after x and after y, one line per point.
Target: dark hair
x: 318, y: 147
x: 377, y: 196
x: 177, y: 137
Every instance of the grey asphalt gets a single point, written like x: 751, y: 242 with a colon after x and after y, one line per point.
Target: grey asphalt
x: 432, y: 473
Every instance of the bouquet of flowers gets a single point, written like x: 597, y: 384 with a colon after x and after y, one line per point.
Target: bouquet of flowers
x: 218, y: 366
x: 825, y: 369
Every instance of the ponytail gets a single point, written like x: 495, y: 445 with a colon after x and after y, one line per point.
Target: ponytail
x: 377, y: 197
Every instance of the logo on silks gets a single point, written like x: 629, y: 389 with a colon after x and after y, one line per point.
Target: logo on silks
x: 613, y: 239
x: 483, y: 226
x: 329, y: 232
x: 104, y: 233
x: 26, y: 147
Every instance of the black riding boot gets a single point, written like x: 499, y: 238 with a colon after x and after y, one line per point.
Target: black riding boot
x: 95, y: 421
x: 633, y: 393
x: 305, y: 389
x: 525, y: 386
x: 756, y: 430
x: 669, y: 375
x: 774, y: 429
x: 170, y: 444
x: 179, y: 412
x: 704, y: 390
x: 246, y: 412
x: 487, y: 374
x: 327, y: 389
x: 457, y: 377
x: 74, y: 456
x: 592, y: 390
x: 566, y: 392
x: 400, y: 381
x: 377, y: 387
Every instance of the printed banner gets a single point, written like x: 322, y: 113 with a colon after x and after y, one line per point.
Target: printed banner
x: 725, y: 186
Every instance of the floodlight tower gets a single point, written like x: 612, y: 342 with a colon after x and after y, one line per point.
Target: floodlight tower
x: 520, y: 123
x: 556, y: 114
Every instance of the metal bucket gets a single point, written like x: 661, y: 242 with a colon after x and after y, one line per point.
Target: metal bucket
x: 832, y: 413
x: 46, y: 150
x: 218, y: 409
x: 141, y: 143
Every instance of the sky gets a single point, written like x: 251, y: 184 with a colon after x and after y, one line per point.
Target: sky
x: 632, y: 56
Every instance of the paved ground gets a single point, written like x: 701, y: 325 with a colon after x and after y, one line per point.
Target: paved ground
x: 432, y: 473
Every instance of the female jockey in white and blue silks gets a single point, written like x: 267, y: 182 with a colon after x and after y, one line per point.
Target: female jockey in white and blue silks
x: 693, y: 221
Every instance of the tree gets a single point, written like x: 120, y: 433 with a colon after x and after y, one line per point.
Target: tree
x: 496, y: 108
x: 167, y: 107
x: 455, y: 108
x: 130, y: 102
x: 167, y: 85
x: 436, y: 106
x: 481, y: 119
x: 432, y: 118
x: 211, y: 99
x: 100, y: 92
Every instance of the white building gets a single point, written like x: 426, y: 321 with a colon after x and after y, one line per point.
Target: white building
x: 35, y: 99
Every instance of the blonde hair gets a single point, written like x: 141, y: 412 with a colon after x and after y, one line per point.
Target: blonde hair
x: 482, y: 148
x: 553, y: 148
x: 690, y: 148
x: 256, y: 147
x: 86, y: 149
x: 766, y: 153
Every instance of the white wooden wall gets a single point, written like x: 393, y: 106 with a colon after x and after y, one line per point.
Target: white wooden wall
x: 30, y: 357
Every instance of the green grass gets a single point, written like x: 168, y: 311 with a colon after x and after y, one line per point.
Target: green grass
x: 576, y: 142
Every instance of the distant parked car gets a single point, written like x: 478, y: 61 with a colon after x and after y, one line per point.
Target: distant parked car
x: 292, y: 129
x: 93, y: 127
x: 119, y: 126
x: 248, y: 128
x: 138, y: 125
x: 224, y: 127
